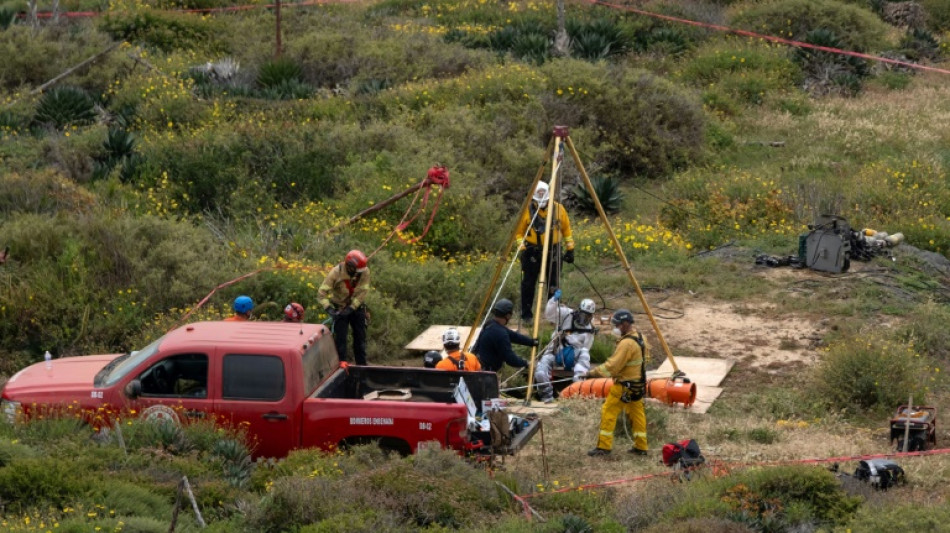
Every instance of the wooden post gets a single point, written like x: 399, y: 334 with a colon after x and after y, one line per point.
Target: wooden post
x: 503, y: 258
x: 910, y: 409
x: 279, y: 45
x: 619, y: 250
x: 541, y: 294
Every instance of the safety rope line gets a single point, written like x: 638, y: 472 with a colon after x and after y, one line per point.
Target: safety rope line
x: 771, y: 38
x: 437, y: 175
x: 841, y: 459
x: 235, y: 280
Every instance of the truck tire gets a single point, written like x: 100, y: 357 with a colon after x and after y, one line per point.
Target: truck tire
x: 386, y: 444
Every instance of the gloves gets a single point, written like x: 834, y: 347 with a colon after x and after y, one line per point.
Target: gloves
x: 535, y: 342
x: 569, y: 256
x: 332, y: 311
x: 557, y: 294
x: 346, y: 311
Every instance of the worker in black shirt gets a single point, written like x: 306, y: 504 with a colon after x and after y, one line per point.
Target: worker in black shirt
x: 493, y: 346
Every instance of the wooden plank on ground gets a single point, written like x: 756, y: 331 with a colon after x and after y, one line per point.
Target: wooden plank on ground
x: 700, y: 370
x: 431, y: 338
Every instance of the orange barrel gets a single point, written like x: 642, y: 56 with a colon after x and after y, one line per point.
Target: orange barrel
x: 589, y: 388
x: 672, y: 390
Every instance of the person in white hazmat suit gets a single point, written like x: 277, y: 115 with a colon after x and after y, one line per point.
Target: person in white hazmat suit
x: 570, y: 343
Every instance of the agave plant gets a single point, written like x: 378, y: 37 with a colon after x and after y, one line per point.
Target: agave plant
x: 599, y: 39
x: 119, y: 144
x: 64, y: 106
x: 532, y: 47
x: 372, y: 86
x: 279, y: 72
x: 7, y: 17
x: 826, y: 72
x: 236, y: 461
x: 606, y: 189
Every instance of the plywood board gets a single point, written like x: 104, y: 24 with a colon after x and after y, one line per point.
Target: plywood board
x: 538, y: 408
x: 700, y: 370
x: 431, y: 339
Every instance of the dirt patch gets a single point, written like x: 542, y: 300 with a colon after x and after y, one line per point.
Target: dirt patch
x: 755, y: 335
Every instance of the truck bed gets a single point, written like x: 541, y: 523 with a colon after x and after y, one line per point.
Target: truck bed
x: 423, y: 384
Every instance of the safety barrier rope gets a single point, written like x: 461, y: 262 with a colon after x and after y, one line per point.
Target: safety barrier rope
x: 841, y: 459
x: 770, y: 38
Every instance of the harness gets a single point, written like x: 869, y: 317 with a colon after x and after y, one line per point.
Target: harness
x: 636, y: 390
x: 351, y: 283
x: 459, y: 363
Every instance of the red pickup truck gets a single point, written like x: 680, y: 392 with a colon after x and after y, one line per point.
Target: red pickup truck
x: 282, y: 381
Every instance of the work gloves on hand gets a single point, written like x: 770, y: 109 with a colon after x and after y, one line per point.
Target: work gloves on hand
x: 569, y: 256
x: 557, y: 294
x: 332, y: 311
x: 535, y: 342
x: 346, y: 311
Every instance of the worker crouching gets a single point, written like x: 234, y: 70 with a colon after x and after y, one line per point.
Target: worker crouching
x: 455, y: 358
x: 627, y: 368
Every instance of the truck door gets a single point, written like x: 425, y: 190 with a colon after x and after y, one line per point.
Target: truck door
x: 176, y: 387
x: 255, y: 394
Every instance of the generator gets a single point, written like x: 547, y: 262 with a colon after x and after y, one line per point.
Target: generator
x: 827, y: 246
x: 919, y: 423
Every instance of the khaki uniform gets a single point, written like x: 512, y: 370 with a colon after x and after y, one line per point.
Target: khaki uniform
x: 560, y: 227
x: 623, y: 365
x: 341, y: 290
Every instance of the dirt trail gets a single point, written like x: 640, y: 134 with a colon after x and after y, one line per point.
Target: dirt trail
x: 753, y: 335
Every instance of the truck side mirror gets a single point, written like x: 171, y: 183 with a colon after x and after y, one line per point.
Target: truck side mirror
x: 134, y: 389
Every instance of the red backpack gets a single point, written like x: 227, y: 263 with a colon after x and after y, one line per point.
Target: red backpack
x: 685, y: 452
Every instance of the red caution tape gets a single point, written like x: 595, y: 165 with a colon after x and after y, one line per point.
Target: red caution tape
x: 209, y: 10
x: 770, y: 38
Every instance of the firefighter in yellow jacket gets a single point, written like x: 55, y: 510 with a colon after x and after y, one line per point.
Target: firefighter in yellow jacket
x: 533, y: 222
x: 343, y: 295
x: 626, y: 367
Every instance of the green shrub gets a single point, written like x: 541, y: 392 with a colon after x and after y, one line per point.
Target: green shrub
x: 869, y: 373
x: 607, y: 191
x: 64, y: 106
x: 33, y: 57
x: 859, y: 29
x: 163, y: 30
x: 11, y: 452
x: 894, y: 81
x: 938, y: 14
x: 121, y: 270
x: 42, y: 191
x: 36, y: 481
x: 912, y: 516
x: 660, y: 128
x: 129, y: 499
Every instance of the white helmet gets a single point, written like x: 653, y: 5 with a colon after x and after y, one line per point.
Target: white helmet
x: 584, y: 312
x: 541, y: 194
x: 587, y: 306
x: 451, y: 336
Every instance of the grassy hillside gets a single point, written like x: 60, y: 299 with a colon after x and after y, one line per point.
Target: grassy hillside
x: 190, y: 155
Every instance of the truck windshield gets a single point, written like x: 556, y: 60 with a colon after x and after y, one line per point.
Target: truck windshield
x: 124, y: 364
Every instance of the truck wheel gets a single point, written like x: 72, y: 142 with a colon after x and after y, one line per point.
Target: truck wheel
x: 386, y: 444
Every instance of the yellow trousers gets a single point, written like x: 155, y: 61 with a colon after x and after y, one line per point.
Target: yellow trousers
x: 608, y: 419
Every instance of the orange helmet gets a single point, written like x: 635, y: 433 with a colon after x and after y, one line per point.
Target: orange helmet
x: 356, y: 260
x: 293, y: 312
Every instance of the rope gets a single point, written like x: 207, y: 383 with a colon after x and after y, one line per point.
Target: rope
x: 562, y: 380
x: 210, y: 10
x: 770, y: 38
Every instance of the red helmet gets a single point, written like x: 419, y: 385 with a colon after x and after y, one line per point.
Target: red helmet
x: 356, y: 260
x: 293, y: 312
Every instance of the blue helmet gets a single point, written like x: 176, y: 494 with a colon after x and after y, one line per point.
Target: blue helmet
x: 243, y: 304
